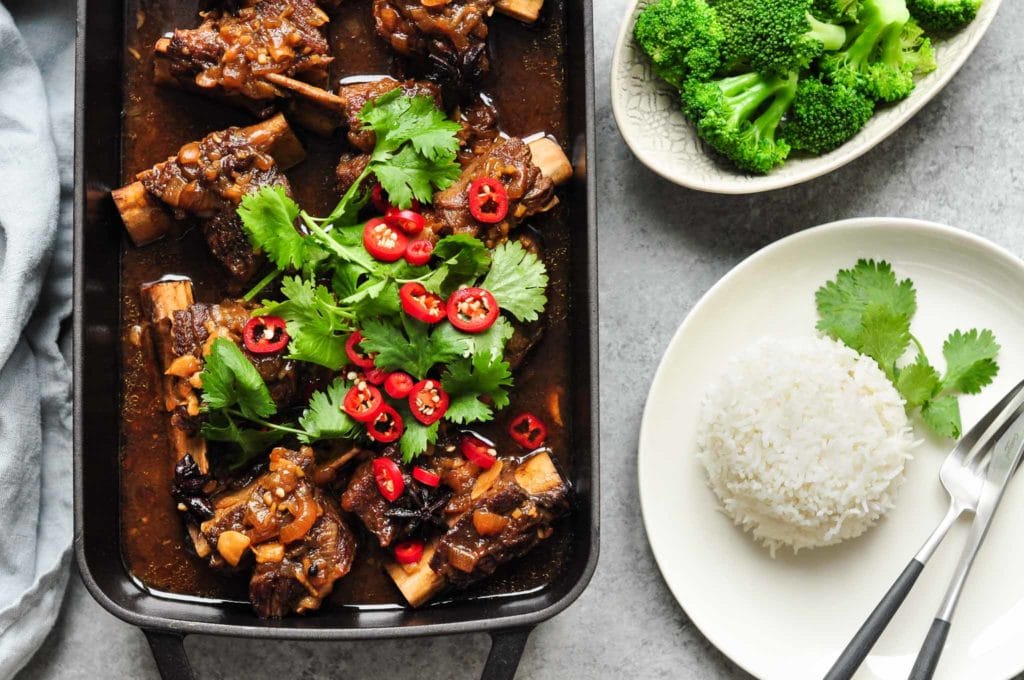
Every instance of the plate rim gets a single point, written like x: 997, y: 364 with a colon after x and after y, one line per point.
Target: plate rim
x: 732, y: 185
x: 846, y: 225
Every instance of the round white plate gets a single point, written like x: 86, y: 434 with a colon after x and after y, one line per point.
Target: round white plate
x: 789, y: 618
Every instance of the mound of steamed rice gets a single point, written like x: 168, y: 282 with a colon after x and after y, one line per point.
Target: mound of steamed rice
x: 804, y: 442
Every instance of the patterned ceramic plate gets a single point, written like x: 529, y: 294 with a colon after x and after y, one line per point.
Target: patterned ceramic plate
x: 648, y: 115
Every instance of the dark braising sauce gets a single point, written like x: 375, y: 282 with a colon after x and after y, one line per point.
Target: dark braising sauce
x: 528, y: 87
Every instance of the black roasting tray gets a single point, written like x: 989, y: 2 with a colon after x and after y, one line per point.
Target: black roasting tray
x: 98, y: 241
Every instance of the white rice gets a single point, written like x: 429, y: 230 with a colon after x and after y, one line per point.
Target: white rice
x: 804, y: 442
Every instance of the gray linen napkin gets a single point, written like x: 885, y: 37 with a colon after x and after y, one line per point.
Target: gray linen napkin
x: 35, y: 300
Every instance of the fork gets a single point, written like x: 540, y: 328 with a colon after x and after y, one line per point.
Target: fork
x: 963, y: 476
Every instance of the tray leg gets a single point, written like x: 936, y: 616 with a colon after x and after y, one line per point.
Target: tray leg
x: 506, y: 651
x: 169, y: 654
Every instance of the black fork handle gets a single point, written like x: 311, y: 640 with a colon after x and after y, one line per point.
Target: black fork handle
x: 502, y: 661
x: 855, y: 653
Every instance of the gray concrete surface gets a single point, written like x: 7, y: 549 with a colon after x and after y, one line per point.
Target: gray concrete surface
x: 958, y: 162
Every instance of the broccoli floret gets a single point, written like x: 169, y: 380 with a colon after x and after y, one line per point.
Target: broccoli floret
x: 739, y: 115
x: 682, y: 38
x: 774, y: 36
x: 824, y: 116
x: 944, y: 16
x: 886, y: 49
x: 836, y: 11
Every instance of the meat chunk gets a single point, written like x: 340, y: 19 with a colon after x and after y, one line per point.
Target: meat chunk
x: 508, y: 509
x: 233, y: 50
x: 479, y: 122
x: 448, y: 38
x: 207, y: 179
x: 510, y: 162
x: 198, y: 325
x: 307, y: 573
x: 420, y: 508
x: 503, y: 523
x: 355, y: 96
x: 350, y: 168
x: 363, y: 499
x: 292, y: 531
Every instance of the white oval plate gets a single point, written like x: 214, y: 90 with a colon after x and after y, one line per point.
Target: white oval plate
x: 789, y: 618
x: 650, y: 120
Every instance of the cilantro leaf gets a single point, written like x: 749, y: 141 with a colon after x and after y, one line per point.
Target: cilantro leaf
x: 490, y: 341
x: 942, y: 414
x: 324, y: 417
x: 397, y: 119
x: 482, y: 375
x: 843, y: 303
x: 268, y: 219
x: 517, y: 280
x: 219, y: 426
x: 411, y: 348
x: 918, y: 382
x: 416, y: 437
x: 467, y: 408
x: 970, y: 360
x: 316, y: 324
x: 229, y: 380
x: 884, y: 336
x: 415, y: 149
x: 408, y: 175
x: 464, y: 258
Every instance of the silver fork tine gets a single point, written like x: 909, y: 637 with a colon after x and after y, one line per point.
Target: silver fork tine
x: 969, y: 455
x: 978, y: 436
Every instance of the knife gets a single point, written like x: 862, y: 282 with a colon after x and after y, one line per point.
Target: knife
x: 1006, y: 456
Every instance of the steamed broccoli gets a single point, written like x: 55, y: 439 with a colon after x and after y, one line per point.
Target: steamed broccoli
x: 682, y: 38
x: 836, y: 11
x: 944, y: 16
x: 885, y: 51
x: 739, y: 115
x: 774, y: 36
x: 824, y: 116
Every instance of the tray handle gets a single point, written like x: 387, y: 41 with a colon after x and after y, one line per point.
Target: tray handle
x: 169, y: 653
x: 506, y: 650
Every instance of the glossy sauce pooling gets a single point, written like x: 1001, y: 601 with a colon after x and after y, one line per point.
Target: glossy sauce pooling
x: 528, y: 87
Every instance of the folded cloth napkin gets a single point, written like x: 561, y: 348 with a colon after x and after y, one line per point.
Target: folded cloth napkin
x: 35, y: 300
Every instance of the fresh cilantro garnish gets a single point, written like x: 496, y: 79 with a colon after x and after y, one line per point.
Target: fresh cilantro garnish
x: 412, y: 347
x: 518, y: 280
x: 484, y: 375
x: 416, y: 437
x: 414, y: 155
x: 220, y: 426
x: 230, y: 381
x: 415, y: 149
x: 869, y: 310
x: 490, y: 341
x: 316, y: 324
x: 463, y: 259
x: 325, y: 419
x: 970, y: 360
x: 842, y: 303
x: 334, y: 287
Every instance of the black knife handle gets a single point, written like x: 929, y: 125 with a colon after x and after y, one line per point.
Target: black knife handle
x: 931, y: 650
x: 855, y: 653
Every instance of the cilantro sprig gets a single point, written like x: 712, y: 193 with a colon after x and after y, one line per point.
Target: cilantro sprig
x: 870, y: 311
